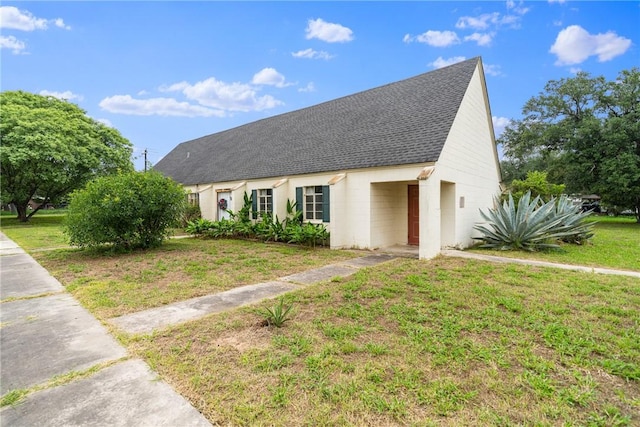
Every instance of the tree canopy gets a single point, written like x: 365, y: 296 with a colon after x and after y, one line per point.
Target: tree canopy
x: 50, y: 147
x: 585, y: 132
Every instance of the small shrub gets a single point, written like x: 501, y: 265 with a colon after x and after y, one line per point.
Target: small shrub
x: 309, y: 234
x: 536, y: 183
x: 266, y: 228
x: 191, y: 213
x: 223, y: 228
x: 199, y: 226
x: 132, y: 210
x: 278, y: 314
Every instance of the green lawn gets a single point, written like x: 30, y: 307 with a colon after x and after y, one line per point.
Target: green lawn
x: 42, y: 231
x: 111, y: 284
x: 442, y: 342
x: 616, y: 244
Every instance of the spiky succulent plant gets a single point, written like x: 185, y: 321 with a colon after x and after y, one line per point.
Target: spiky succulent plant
x: 531, y: 225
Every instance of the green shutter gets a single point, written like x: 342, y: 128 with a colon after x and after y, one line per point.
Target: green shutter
x: 325, y: 203
x: 299, y: 201
x: 254, y: 204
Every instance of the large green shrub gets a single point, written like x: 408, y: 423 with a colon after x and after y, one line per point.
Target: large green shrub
x: 133, y: 210
x: 536, y: 183
x: 532, y: 225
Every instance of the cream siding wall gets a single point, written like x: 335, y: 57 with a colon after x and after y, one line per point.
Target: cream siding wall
x: 375, y: 208
x: 369, y: 206
x: 389, y: 214
x: 469, y: 159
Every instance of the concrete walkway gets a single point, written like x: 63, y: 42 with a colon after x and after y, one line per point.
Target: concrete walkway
x: 46, y: 334
x: 492, y: 258
x: 147, y: 321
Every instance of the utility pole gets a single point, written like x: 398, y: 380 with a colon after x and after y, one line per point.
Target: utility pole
x: 145, y: 159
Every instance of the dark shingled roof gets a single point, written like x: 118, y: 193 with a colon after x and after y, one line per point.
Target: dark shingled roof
x: 400, y: 123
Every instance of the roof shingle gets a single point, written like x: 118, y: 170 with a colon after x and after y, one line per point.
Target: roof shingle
x: 399, y: 123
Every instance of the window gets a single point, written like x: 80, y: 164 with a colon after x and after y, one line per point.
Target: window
x: 313, y: 202
x: 193, y: 199
x: 265, y: 201
x: 261, y: 202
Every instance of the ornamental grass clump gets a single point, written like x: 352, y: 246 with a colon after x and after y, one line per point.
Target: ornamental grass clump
x: 532, y: 225
x: 277, y: 315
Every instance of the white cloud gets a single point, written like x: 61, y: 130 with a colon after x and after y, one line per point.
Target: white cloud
x: 495, y: 19
x: 311, y: 54
x: 575, y: 70
x: 499, y: 124
x: 328, y: 32
x: 492, y: 70
x: 434, y: 38
x: 310, y: 87
x: 13, y: 18
x: 224, y: 96
x: 58, y: 22
x: 574, y: 45
x: 517, y: 9
x: 442, y: 62
x: 556, y: 1
x: 125, y: 104
x: 482, y: 39
x: 67, y: 95
x: 269, y: 76
x: 481, y: 22
x: 10, y: 42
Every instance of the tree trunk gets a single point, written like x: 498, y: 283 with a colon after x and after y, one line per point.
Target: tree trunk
x: 22, y: 211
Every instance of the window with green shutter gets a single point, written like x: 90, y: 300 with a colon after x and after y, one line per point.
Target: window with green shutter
x: 313, y: 201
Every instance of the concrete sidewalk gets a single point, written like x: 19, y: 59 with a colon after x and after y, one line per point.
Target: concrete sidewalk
x: 147, y: 321
x: 46, y: 334
x: 506, y: 260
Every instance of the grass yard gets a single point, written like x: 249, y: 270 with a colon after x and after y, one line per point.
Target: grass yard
x: 111, y: 285
x: 616, y: 244
x: 441, y: 342
x: 42, y: 231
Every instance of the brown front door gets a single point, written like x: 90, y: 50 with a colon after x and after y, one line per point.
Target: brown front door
x: 414, y: 215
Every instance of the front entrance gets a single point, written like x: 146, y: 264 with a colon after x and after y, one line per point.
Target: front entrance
x: 414, y: 215
x: 223, y: 205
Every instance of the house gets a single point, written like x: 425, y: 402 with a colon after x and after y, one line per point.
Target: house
x: 408, y: 163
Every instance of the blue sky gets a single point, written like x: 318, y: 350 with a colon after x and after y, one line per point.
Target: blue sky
x: 166, y: 72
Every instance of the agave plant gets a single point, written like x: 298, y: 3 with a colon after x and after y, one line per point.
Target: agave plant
x: 573, y: 222
x: 532, y: 225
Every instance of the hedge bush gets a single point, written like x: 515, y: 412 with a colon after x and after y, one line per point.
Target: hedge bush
x: 132, y: 210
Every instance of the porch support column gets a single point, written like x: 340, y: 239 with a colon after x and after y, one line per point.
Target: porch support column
x: 429, y: 190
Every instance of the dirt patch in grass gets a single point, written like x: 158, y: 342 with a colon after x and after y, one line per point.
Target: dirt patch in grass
x: 111, y: 285
x: 446, y: 342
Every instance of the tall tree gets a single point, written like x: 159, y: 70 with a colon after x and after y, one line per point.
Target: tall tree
x: 50, y: 147
x: 586, y: 130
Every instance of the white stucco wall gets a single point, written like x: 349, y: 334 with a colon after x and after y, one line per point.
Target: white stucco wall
x: 470, y: 161
x: 369, y: 206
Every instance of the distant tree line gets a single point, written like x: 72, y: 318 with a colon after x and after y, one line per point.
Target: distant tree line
x: 584, y: 132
